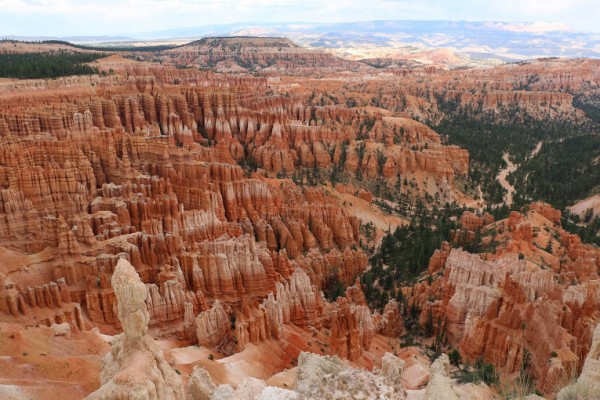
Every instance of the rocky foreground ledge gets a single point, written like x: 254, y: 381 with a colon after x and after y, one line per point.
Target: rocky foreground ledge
x: 135, y: 368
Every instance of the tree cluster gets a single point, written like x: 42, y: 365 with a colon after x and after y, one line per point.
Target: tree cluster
x: 47, y: 65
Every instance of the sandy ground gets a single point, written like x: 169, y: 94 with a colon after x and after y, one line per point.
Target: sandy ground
x: 535, y: 151
x: 273, y: 361
x: 582, y: 206
x: 45, y: 363
x: 362, y: 209
x: 37, y: 363
x: 510, y: 167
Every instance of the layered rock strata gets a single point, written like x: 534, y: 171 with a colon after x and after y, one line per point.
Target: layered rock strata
x: 523, y: 302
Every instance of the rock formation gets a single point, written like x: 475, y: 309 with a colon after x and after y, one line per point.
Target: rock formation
x: 252, y: 389
x: 391, y: 323
x: 213, y: 326
x: 200, y: 385
x: 392, y: 369
x: 588, y: 383
x: 327, y: 377
x: 219, y: 191
x: 135, y: 367
x: 521, y: 301
x: 352, y: 329
x: 440, y: 384
x: 269, y: 55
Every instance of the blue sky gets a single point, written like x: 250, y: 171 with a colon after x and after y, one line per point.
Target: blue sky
x: 127, y: 17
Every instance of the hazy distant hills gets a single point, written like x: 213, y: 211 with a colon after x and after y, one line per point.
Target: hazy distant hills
x: 511, y: 40
x: 505, y: 41
x: 71, y: 39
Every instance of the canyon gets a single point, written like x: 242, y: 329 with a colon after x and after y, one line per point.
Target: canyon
x: 150, y: 165
x: 182, y: 232
x: 531, y: 299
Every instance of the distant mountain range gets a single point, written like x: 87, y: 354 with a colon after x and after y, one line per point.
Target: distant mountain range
x: 500, y: 40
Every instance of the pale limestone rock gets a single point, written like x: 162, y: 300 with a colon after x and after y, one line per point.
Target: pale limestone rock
x: 440, y: 384
x: 200, y: 385
x: 135, y: 368
x: 253, y: 389
x: 63, y: 329
x: 588, y: 383
x: 591, y: 367
x: 392, y: 369
x: 223, y: 392
x: 323, y: 377
x: 275, y: 393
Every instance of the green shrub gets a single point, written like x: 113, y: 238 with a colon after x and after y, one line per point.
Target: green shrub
x: 479, y: 372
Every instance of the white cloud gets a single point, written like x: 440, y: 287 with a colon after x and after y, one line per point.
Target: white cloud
x: 536, y: 27
x: 77, y: 17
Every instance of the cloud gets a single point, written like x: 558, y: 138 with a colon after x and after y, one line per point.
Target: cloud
x: 93, y: 17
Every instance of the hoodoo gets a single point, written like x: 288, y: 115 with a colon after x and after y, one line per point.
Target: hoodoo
x: 253, y: 217
x: 135, y: 367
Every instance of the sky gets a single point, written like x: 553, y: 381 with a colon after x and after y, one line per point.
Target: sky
x: 127, y: 17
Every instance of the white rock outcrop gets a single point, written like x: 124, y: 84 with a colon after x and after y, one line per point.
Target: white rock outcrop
x: 135, y: 368
x: 253, y: 389
x: 200, y: 385
x: 440, y: 383
x: 323, y: 377
x: 588, y: 383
